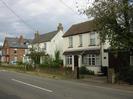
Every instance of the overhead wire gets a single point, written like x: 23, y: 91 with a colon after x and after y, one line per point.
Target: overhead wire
x: 20, y: 18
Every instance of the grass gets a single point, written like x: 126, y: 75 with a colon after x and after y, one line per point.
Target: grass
x: 43, y: 72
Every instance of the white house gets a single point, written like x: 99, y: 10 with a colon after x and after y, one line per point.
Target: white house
x: 82, y: 47
x: 49, y: 42
x: 0, y: 53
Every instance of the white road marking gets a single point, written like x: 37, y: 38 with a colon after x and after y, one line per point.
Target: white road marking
x: 32, y: 85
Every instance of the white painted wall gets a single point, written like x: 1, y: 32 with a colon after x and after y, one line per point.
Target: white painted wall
x: 86, y: 42
x: 105, y: 58
x: 55, y: 44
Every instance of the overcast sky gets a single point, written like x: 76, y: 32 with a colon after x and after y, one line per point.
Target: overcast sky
x: 42, y: 15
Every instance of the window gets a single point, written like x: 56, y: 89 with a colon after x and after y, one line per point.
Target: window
x: 15, y: 51
x: 70, y: 41
x: 15, y: 59
x: 92, y: 39
x: 91, y: 59
x: 7, y: 51
x: 45, y: 46
x: 80, y: 40
x: 69, y: 60
x: 131, y: 60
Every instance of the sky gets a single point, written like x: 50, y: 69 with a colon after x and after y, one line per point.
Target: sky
x: 38, y: 15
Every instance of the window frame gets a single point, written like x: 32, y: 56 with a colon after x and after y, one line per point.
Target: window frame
x: 92, y: 39
x: 80, y: 40
x: 91, y: 60
x: 70, y: 41
x: 45, y: 46
x: 68, y: 60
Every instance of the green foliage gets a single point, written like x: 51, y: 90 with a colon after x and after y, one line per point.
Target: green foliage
x: 55, y: 62
x: 47, y: 61
x: 126, y: 74
x: 114, y: 21
x: 35, y: 56
x: 19, y: 63
x: 129, y: 77
x: 84, y: 70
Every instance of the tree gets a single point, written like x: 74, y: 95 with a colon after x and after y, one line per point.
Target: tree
x: 114, y: 21
x: 36, y: 55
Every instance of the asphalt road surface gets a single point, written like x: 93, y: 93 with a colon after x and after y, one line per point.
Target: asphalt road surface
x: 21, y: 86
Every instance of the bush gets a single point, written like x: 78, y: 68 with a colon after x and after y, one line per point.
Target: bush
x: 19, y: 63
x: 84, y: 70
x: 129, y: 75
x: 55, y: 62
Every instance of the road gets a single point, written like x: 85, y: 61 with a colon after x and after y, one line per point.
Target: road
x: 22, y: 86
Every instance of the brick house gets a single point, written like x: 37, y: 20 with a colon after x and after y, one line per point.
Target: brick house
x: 14, y: 49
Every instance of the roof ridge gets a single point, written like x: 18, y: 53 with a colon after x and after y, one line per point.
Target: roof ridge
x: 48, y: 32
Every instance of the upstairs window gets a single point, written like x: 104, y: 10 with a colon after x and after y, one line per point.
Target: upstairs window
x: 15, y: 51
x: 70, y: 41
x: 80, y: 40
x: 45, y: 46
x: 92, y: 39
x: 131, y: 60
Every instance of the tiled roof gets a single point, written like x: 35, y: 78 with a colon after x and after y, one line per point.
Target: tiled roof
x: 80, y: 28
x: 14, y: 42
x: 45, y: 37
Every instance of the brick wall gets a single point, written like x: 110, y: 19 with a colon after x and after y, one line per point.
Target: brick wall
x: 19, y: 54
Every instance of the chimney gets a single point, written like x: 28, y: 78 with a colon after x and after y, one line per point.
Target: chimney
x: 60, y: 27
x: 21, y: 39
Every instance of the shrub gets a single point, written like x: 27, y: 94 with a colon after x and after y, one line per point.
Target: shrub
x: 55, y: 62
x: 84, y: 70
x: 19, y: 63
x: 129, y: 78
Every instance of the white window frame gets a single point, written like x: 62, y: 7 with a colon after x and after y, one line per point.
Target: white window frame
x: 45, y: 45
x: 93, y: 38
x: 91, y: 60
x: 80, y: 40
x: 69, y: 60
x: 70, y: 41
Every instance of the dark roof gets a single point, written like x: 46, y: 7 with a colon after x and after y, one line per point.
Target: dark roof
x: 45, y: 37
x: 14, y: 42
x: 82, y: 52
x: 80, y: 28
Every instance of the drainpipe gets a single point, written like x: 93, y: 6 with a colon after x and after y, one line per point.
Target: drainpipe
x: 101, y: 53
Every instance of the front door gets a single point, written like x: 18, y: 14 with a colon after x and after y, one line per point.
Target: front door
x: 76, y: 66
x: 76, y: 61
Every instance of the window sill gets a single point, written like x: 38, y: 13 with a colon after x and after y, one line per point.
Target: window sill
x: 92, y: 45
x: 91, y: 65
x: 70, y: 47
x: 80, y: 46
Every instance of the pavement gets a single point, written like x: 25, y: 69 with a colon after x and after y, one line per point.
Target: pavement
x: 15, y: 85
